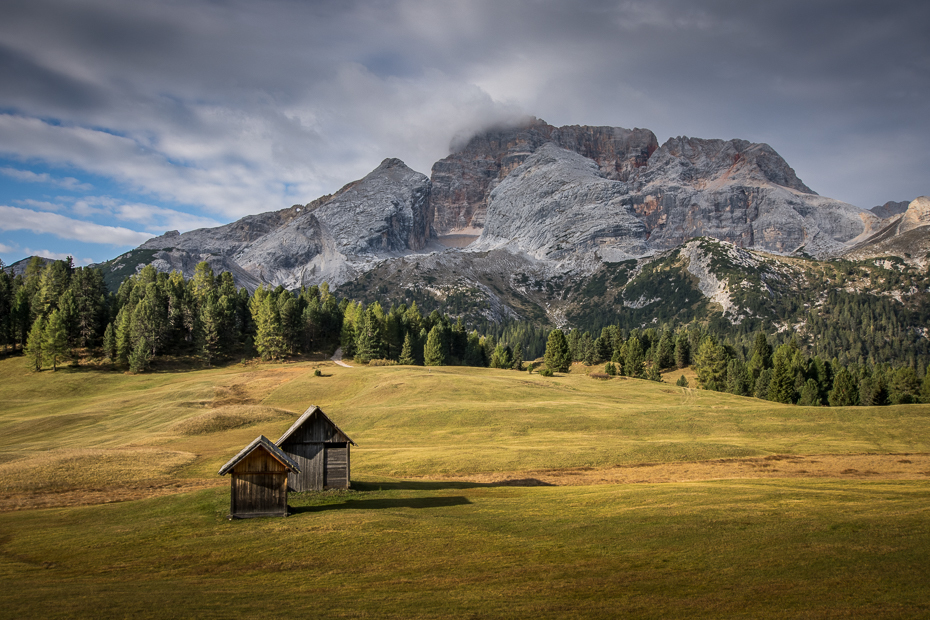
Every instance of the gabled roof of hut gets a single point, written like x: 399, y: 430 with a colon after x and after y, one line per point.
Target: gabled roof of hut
x: 273, y: 450
x: 313, y: 409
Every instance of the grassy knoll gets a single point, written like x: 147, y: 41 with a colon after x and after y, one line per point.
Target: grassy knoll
x: 758, y: 549
x: 401, y: 545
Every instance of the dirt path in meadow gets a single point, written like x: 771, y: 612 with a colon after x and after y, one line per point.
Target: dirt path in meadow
x: 846, y: 467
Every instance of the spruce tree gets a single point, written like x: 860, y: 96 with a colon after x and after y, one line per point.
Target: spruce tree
x: 925, y: 388
x: 109, y: 342
x: 141, y: 356
x: 433, y: 353
x: 845, y: 392
x: 35, y: 344
x: 653, y: 374
x: 268, y: 339
x: 55, y: 346
x: 124, y: 335
x: 710, y: 364
x: 782, y: 385
x: 682, y: 351
x: 634, y: 365
x: 517, y: 363
x: 682, y: 381
x: 557, y: 357
x: 210, y: 329
x: 761, y: 386
x: 810, y: 394
x: 406, y: 353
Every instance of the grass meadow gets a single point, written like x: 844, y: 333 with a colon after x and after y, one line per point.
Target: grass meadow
x: 476, y: 493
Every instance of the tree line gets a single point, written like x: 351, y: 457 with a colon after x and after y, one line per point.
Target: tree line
x: 55, y: 312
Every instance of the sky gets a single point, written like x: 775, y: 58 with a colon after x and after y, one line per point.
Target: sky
x: 122, y: 120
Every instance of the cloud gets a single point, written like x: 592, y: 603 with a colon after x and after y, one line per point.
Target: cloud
x: 57, y: 256
x: 14, y: 218
x: 28, y: 176
x: 42, y: 205
x: 241, y: 107
x: 6, y: 249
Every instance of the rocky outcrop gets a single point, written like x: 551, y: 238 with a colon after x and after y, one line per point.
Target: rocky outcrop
x: 906, y: 236
x: 739, y: 192
x: 463, y: 181
x: 557, y: 206
x: 890, y: 209
x: 383, y: 215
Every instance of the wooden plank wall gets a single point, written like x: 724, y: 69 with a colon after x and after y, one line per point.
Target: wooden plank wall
x: 337, y: 466
x: 322, y: 453
x: 259, y: 486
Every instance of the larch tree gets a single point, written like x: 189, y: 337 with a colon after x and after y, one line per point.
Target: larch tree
x: 558, y: 357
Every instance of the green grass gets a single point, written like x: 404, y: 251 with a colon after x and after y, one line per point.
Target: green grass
x: 395, y: 546
x: 724, y: 549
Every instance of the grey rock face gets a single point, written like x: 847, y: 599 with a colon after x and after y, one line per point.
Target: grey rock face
x: 558, y: 205
x: 463, y: 181
x: 385, y: 214
x: 739, y: 192
x: 890, y: 209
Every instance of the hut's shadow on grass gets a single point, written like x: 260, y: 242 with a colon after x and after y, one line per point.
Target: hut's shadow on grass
x: 440, y: 485
x: 381, y: 504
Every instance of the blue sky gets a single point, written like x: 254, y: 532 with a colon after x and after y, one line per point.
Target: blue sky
x: 121, y: 120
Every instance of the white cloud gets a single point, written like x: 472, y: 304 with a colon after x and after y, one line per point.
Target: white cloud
x: 6, y: 249
x: 28, y: 176
x: 57, y: 256
x: 14, y: 218
x: 42, y: 205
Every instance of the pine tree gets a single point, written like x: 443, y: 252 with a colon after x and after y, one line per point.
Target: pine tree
x: 557, y: 357
x: 124, y: 335
x: 268, y: 339
x: 710, y: 364
x: 845, y: 392
x: 141, y: 356
x: 517, y: 363
x: 665, y: 351
x: 925, y: 388
x: 55, y: 347
x: 682, y: 381
x: 368, y: 336
x: 653, y: 374
x: 761, y: 356
x: 682, y: 351
x: 810, y: 394
x: 782, y: 385
x: 761, y: 386
x: 433, y: 353
x: 634, y: 365
x: 406, y: 353
x: 35, y: 344
x: 210, y: 329
x: 109, y: 342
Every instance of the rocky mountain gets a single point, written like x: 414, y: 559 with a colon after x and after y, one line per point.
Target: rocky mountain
x: 906, y: 235
x: 890, y: 209
x: 516, y: 219
x: 383, y: 215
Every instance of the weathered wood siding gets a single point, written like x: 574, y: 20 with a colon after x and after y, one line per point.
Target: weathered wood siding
x: 322, y: 453
x: 259, y: 486
x: 336, y: 473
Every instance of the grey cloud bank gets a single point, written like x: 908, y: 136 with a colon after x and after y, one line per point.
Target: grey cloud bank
x: 224, y: 109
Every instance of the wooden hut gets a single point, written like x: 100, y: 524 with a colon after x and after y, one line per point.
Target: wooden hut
x: 259, y: 480
x: 320, y: 449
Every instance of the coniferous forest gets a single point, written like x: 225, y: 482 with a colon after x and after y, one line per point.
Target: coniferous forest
x: 55, y: 314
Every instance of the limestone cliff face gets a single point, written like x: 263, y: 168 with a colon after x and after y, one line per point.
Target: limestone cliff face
x: 463, y: 181
x: 740, y: 192
x: 383, y: 215
x: 906, y: 235
x: 559, y: 205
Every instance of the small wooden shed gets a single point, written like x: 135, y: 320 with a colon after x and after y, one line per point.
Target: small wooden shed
x: 259, y: 480
x: 321, y: 451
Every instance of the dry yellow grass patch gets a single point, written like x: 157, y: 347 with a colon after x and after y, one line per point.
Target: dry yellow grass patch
x: 228, y: 417
x: 69, y: 469
x: 845, y: 466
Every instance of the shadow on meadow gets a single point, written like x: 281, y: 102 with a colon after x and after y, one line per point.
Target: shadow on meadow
x: 383, y: 503
x: 440, y: 485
